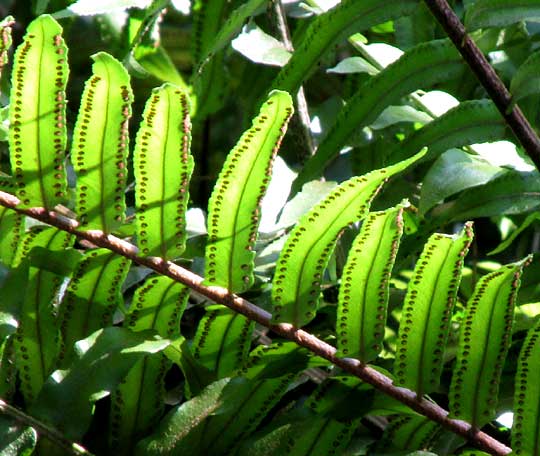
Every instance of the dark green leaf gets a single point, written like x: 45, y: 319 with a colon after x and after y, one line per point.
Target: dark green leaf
x: 66, y: 399
x: 138, y: 402
x: 197, y: 376
x: 420, y: 67
x: 453, y: 172
x: 510, y: 193
x: 348, y: 17
x: 500, y: 13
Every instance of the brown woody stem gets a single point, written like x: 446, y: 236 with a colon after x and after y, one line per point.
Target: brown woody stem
x: 488, y: 78
x: 251, y: 311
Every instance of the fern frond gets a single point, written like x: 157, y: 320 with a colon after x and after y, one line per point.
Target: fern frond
x: 471, y: 122
x: 484, y: 340
x: 427, y: 311
x: 100, y: 145
x: 301, y: 264
x: 526, y: 427
x: 162, y: 167
x: 411, y: 432
x: 209, y: 83
x: 12, y: 228
x: 37, y: 115
x: 234, y: 210
x: 92, y: 297
x: 363, y: 293
x: 222, y: 340
x: 36, y: 341
x: 138, y: 402
x: 526, y: 81
x: 500, y: 13
x: 510, y: 193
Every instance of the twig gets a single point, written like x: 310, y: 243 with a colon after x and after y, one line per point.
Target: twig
x: 488, y: 78
x: 52, y: 434
x: 301, y: 102
x: 251, y: 311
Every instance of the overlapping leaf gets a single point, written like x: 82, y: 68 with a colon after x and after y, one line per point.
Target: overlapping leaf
x: 348, y: 17
x: 92, y: 297
x: 300, y: 268
x: 470, y: 122
x: 452, y: 172
x: 36, y: 342
x: 210, y: 82
x: 138, y: 402
x: 421, y: 67
x: 209, y: 424
x: 511, y: 193
x: 526, y: 80
x: 411, y: 432
x: 66, y: 400
x: 12, y: 228
x: 526, y: 427
x: 222, y: 340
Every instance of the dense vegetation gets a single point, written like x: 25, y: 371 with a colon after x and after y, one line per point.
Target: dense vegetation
x: 265, y: 228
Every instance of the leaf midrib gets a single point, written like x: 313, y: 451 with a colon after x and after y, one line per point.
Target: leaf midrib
x: 476, y: 388
x: 231, y: 267
x: 425, y: 332
x: 101, y: 167
x: 163, y: 246
x: 42, y: 174
x: 311, y: 249
x: 363, y: 355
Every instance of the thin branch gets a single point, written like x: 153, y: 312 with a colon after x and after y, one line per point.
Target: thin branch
x: 488, y: 78
x: 301, y: 102
x: 251, y: 311
x: 52, y: 434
